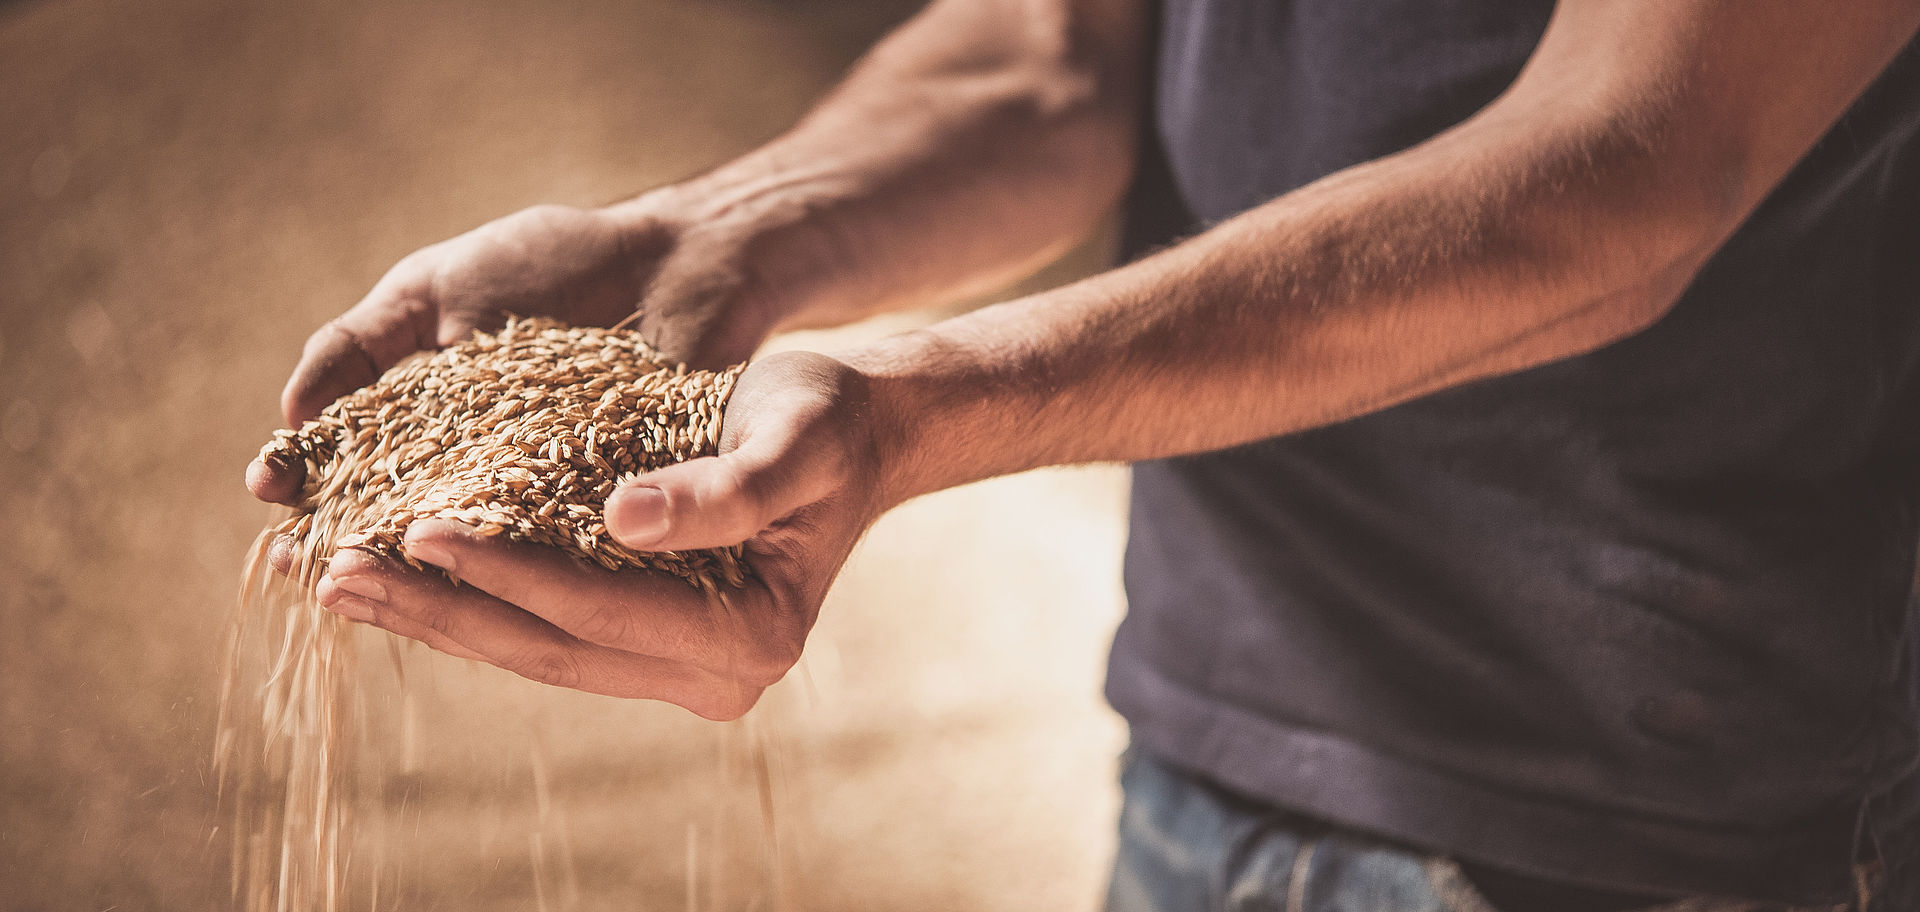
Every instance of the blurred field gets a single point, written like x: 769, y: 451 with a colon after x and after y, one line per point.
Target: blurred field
x: 187, y: 189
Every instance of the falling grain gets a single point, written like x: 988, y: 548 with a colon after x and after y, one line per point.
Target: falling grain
x: 522, y: 433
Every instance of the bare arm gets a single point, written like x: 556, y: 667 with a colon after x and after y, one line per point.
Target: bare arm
x: 977, y: 142
x: 1569, y: 213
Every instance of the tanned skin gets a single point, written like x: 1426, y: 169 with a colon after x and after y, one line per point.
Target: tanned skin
x: 972, y: 145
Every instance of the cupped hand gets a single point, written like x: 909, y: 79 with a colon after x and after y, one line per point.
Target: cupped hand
x: 796, y: 481
x: 696, y: 300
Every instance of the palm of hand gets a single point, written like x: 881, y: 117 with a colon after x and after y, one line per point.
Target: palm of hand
x: 794, y: 482
x: 588, y: 267
x: 574, y: 265
x: 570, y: 264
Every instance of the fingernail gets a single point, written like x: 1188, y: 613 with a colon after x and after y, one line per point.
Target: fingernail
x: 364, y: 587
x: 637, y: 515
x: 268, y: 481
x: 280, y: 554
x: 353, y: 609
x: 430, y: 552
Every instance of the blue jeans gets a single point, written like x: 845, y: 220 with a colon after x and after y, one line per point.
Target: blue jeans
x: 1188, y: 847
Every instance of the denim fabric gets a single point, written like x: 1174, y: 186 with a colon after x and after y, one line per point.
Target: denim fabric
x: 1188, y: 847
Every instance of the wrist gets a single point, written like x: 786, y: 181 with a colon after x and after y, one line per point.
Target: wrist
x: 769, y: 233
x: 892, y: 422
x: 896, y: 438
x: 700, y: 295
x: 1003, y: 389
x: 921, y: 415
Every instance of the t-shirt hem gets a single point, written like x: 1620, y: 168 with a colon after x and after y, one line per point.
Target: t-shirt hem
x: 1324, y: 775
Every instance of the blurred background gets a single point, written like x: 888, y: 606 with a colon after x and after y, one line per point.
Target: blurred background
x: 187, y: 189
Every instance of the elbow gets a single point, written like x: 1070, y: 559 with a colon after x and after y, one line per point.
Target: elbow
x: 1635, y: 265
x: 1628, y: 289
x: 1620, y: 236
x: 1619, y: 202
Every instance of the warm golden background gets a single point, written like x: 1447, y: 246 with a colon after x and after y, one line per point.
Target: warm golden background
x: 187, y: 188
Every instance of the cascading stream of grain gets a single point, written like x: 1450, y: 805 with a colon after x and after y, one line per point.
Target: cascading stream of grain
x: 522, y: 433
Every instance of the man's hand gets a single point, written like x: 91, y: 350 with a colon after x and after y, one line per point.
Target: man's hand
x: 797, y: 480
x: 696, y: 300
x: 972, y: 146
x: 978, y: 142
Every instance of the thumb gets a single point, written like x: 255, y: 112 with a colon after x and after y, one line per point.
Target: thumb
x: 353, y: 350
x: 711, y: 502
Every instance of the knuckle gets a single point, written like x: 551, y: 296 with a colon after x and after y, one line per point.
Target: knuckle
x: 537, y: 216
x: 606, y: 624
x: 559, y: 669
x: 765, y: 675
x: 724, y: 704
x: 384, y: 619
x: 771, y: 657
x: 322, y: 342
x: 337, y: 342
x: 433, y: 616
x: 746, y: 496
x: 416, y: 263
x: 280, y: 554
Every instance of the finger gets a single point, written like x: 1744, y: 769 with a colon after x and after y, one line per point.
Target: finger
x: 357, y: 596
x: 276, y: 480
x: 393, y: 321
x: 647, y: 613
x: 360, y: 610
x: 407, y: 627
x: 280, y: 554
x: 510, y: 638
x: 717, y: 501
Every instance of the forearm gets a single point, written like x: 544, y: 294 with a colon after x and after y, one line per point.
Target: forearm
x: 975, y: 143
x: 1569, y: 214
x: 1347, y: 298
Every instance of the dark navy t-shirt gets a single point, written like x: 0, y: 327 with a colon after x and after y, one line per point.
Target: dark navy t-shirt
x: 1637, y: 619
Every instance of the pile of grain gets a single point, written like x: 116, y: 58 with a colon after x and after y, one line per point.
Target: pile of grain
x: 522, y: 433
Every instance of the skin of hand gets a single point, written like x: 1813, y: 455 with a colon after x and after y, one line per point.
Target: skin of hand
x: 796, y: 480
x: 697, y: 301
x: 1020, y: 137
x: 1570, y: 213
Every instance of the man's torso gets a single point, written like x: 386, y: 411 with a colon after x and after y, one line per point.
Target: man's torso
x: 1634, y: 618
